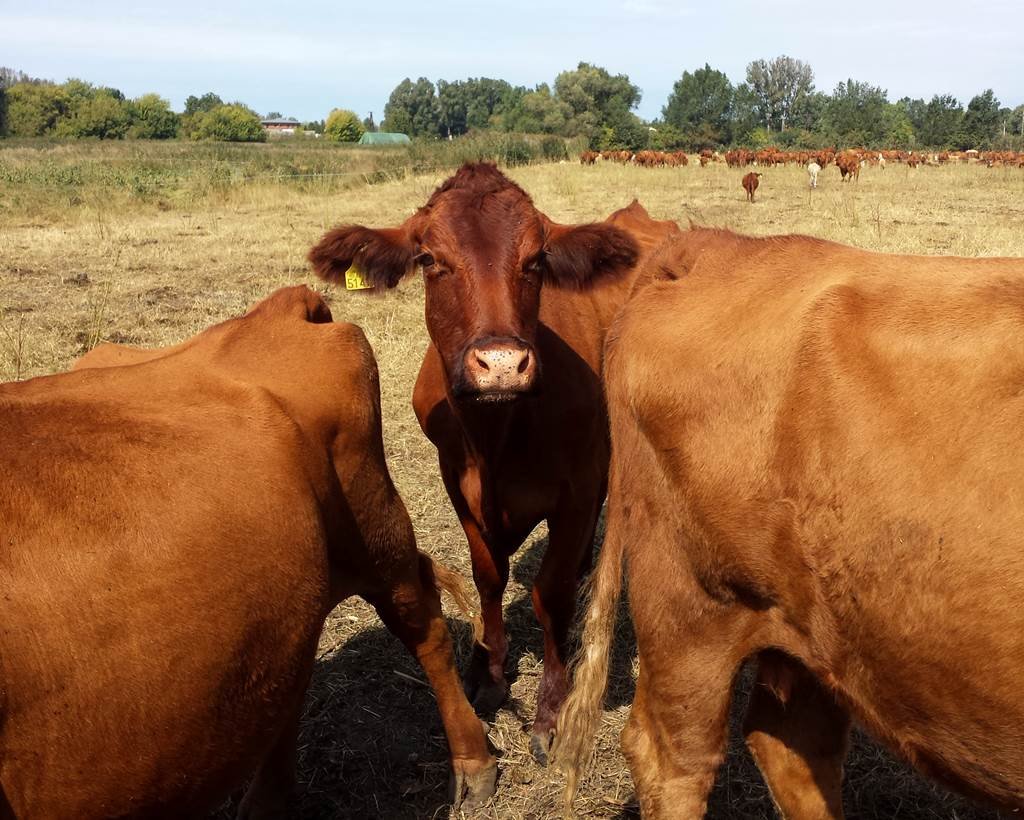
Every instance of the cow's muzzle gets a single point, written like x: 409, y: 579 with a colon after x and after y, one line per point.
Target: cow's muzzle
x: 498, y: 370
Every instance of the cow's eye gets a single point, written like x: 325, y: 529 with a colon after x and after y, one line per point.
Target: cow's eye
x: 533, y: 269
x: 425, y: 260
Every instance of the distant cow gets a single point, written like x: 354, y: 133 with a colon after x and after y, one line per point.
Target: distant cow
x: 175, y: 531
x: 509, y: 390
x: 817, y: 463
x: 750, y: 183
x: 849, y: 164
x: 812, y: 172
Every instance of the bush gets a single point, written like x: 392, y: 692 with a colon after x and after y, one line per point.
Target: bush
x: 103, y: 116
x: 152, y: 118
x: 33, y: 109
x: 553, y: 149
x: 229, y: 123
x: 516, y: 151
x: 343, y: 126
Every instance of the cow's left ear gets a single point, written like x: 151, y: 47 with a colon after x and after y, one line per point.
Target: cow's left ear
x: 577, y: 256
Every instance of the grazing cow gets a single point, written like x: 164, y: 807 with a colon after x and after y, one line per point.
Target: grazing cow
x: 589, y: 157
x: 174, y: 533
x: 817, y: 462
x: 750, y: 183
x: 509, y: 390
x: 812, y: 172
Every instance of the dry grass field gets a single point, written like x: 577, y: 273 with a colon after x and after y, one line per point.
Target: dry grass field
x: 86, y: 260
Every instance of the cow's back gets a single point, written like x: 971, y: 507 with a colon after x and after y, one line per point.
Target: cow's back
x: 166, y: 531
x: 841, y: 430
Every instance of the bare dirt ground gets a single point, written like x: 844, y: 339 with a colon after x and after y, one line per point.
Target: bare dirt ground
x: 76, y: 271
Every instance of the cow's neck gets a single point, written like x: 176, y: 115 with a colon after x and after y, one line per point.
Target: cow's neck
x: 485, y: 427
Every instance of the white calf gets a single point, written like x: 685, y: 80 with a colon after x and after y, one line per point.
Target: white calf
x: 812, y: 172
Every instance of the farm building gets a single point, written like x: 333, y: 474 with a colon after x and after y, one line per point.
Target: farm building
x: 383, y: 138
x: 282, y: 127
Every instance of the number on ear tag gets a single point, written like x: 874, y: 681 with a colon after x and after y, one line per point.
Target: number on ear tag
x: 354, y: 280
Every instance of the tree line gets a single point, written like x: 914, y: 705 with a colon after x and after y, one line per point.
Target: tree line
x: 777, y: 103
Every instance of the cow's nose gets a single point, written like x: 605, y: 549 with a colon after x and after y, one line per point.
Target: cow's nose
x: 500, y: 367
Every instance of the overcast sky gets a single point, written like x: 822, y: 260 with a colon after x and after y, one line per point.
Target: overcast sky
x: 304, y: 58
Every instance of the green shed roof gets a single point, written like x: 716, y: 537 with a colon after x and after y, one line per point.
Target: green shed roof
x: 382, y: 138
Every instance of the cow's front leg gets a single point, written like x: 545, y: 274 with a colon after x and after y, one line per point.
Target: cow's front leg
x: 411, y: 609
x: 486, y: 684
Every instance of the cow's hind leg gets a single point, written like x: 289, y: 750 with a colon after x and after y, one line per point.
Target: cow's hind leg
x: 676, y: 735
x: 568, y: 556
x: 411, y: 609
x: 798, y: 735
x: 691, y: 646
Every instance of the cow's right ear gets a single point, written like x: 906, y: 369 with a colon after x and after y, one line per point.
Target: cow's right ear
x: 382, y: 255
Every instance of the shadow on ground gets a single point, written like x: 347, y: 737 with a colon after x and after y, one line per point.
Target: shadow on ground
x: 372, y: 744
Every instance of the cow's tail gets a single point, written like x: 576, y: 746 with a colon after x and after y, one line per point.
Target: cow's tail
x: 581, y: 712
x: 446, y: 580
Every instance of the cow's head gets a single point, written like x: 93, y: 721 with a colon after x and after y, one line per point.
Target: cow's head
x: 485, y: 253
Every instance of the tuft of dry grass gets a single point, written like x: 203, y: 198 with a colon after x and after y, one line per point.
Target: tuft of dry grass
x: 91, y: 262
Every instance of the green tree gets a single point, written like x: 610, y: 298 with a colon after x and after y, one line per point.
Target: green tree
x: 701, y: 104
x: 898, y: 127
x: 1015, y: 122
x: 8, y: 77
x: 200, y: 105
x: 538, y: 112
x: 452, y: 107
x: 412, y: 109
x: 982, y: 122
x: 779, y: 87
x: 746, y: 114
x: 152, y: 118
x: 195, y: 108
x: 489, y: 101
x: 941, y: 122
x: 33, y: 109
x: 666, y: 137
x: 597, y: 101
x: 809, y: 112
x: 229, y: 123
x: 855, y: 114
x: 101, y: 115
x: 343, y: 126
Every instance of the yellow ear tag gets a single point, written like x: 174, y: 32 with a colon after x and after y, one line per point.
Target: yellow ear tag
x: 354, y: 280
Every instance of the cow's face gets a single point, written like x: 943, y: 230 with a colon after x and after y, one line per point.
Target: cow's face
x: 485, y: 254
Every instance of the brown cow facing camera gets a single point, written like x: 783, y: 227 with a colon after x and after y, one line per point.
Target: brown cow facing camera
x: 509, y: 390
x: 175, y: 526
x: 816, y: 464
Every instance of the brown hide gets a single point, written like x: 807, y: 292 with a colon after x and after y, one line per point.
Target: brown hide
x: 816, y: 459
x: 174, y: 532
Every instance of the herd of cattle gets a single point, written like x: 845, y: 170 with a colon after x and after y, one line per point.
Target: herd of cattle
x: 846, y: 160
x: 811, y: 457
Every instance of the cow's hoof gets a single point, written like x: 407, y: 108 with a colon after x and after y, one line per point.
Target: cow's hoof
x: 540, y: 745
x: 471, y: 789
